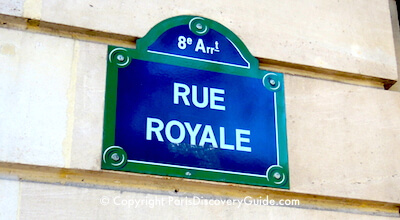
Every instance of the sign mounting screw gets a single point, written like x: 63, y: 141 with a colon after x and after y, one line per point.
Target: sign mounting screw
x: 277, y: 175
x: 120, y: 58
x: 115, y: 157
x: 199, y: 26
x: 272, y: 82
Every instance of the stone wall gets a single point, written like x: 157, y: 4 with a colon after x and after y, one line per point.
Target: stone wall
x: 339, y: 59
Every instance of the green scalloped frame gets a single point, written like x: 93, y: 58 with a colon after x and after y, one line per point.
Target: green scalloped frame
x: 115, y: 158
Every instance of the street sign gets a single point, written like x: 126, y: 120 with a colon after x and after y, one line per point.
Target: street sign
x: 190, y: 101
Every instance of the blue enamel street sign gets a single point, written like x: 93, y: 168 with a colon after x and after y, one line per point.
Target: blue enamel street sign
x: 190, y: 101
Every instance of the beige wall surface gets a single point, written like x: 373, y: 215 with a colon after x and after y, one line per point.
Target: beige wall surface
x: 65, y: 202
x: 11, y: 7
x: 396, y: 37
x: 349, y: 36
x: 9, y: 194
x: 343, y: 139
x: 35, y: 76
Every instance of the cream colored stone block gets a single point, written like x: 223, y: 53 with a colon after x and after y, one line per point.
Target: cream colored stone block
x: 395, y: 87
x: 343, y: 140
x: 33, y: 9
x: 350, y: 36
x: 396, y: 37
x: 35, y: 78
x: 74, y: 202
x: 9, y: 194
x: 89, y: 106
x: 11, y: 7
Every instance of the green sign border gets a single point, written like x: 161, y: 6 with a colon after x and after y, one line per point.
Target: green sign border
x: 115, y: 158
